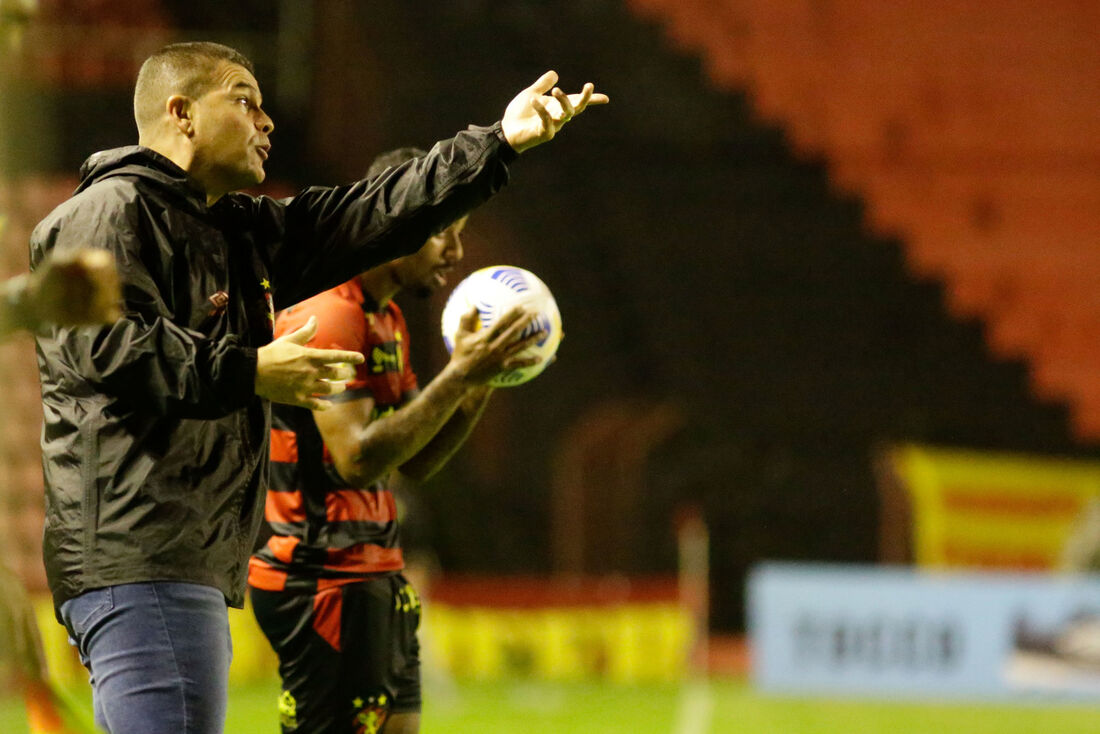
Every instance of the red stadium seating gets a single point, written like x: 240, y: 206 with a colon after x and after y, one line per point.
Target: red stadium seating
x: 971, y: 129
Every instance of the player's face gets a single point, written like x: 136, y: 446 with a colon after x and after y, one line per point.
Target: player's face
x: 230, y: 132
x: 426, y: 271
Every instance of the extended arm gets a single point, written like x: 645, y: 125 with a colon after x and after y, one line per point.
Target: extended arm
x: 366, y: 448
x: 333, y: 233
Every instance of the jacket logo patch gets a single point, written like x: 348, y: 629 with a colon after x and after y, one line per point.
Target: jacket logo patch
x: 218, y: 303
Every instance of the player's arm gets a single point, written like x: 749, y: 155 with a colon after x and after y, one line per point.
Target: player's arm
x: 365, y: 449
x: 450, y: 437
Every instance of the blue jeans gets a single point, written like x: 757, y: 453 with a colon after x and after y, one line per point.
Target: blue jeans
x: 158, y: 654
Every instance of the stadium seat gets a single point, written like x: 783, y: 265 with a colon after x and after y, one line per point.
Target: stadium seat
x: 965, y: 125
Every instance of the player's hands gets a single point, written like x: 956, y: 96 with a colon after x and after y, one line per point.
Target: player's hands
x: 481, y: 354
x: 533, y: 117
x: 75, y: 287
x: 289, y: 372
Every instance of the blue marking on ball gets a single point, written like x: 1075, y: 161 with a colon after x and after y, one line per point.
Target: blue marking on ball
x: 486, y: 312
x: 540, y: 323
x: 512, y: 278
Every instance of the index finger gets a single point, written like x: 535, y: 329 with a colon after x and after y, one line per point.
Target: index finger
x: 330, y: 356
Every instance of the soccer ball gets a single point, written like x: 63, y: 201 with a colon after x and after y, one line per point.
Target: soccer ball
x: 495, y: 290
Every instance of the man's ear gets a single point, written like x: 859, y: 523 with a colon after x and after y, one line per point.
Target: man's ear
x: 179, y: 111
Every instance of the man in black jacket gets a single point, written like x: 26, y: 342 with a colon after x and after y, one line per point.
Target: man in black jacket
x: 156, y: 427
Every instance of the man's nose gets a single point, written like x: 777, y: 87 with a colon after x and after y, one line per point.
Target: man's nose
x: 265, y: 124
x: 455, y: 248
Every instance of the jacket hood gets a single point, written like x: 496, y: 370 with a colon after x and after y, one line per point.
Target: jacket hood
x: 136, y: 160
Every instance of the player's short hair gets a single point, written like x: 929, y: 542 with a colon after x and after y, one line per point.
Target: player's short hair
x: 179, y: 68
x: 394, y: 157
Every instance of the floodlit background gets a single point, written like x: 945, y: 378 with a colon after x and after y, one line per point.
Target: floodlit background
x: 828, y: 275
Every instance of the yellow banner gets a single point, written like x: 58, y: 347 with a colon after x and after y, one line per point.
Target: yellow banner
x: 626, y: 643
x: 988, y: 510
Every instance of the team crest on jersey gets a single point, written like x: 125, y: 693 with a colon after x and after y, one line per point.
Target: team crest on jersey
x: 387, y: 356
x: 370, y: 714
x: 288, y: 710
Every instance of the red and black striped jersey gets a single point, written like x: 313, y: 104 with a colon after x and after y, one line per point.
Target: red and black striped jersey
x: 326, y: 532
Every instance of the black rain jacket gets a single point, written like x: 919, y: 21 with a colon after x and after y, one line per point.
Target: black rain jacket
x: 154, y: 444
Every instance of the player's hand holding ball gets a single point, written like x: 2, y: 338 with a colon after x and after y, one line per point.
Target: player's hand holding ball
x: 484, y: 354
x: 503, y: 323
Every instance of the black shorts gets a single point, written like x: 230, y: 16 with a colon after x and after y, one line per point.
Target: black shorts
x: 348, y: 655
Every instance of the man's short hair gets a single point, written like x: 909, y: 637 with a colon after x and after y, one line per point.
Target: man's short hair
x: 393, y: 158
x: 179, y: 68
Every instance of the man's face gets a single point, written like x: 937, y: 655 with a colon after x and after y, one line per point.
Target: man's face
x: 230, y: 132
x: 425, y: 271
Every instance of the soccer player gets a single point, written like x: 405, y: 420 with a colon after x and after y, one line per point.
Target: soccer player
x: 156, y: 430
x: 327, y: 587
